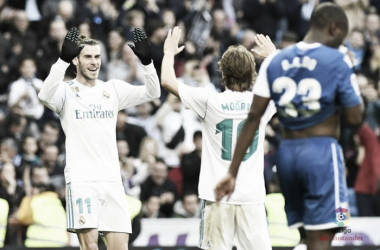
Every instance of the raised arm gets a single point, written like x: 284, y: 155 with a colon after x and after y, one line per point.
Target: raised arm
x: 52, y: 93
x: 168, y: 78
x: 133, y: 95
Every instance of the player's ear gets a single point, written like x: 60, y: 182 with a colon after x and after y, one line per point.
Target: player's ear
x: 75, y: 61
x: 333, y: 29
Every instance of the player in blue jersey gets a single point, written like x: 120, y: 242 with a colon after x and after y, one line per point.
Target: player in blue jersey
x: 310, y: 83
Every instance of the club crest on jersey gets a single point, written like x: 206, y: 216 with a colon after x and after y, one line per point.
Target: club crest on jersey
x: 106, y: 95
x: 82, y: 220
x: 75, y: 89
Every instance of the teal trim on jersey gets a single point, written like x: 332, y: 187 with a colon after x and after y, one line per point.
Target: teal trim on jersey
x: 71, y: 208
x: 71, y: 82
x: 202, y: 225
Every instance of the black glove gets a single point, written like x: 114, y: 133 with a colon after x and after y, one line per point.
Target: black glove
x: 69, y: 47
x: 142, y: 47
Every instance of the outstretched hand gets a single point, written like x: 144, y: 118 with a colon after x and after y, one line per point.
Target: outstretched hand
x: 142, y: 47
x: 225, y: 187
x: 171, y: 42
x: 70, y: 47
x: 266, y: 47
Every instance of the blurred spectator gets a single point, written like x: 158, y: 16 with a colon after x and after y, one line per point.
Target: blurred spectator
x: 170, y: 122
x: 135, y: 211
x: 29, y: 160
x: 191, y: 166
x: 169, y: 19
x: 130, y: 20
x: 366, y: 185
x: 263, y: 15
x: 372, y: 27
x: 50, y: 134
x: 150, y: 8
x: 22, y: 40
x: 187, y: 207
x: 196, y: 76
x: 12, y: 193
x: 23, y: 92
x: 146, y: 120
x: 9, y: 152
x: 248, y: 39
x: 127, y: 67
x: 220, y: 31
x: 151, y: 207
x: 115, y: 46
x: 133, y: 134
x: 53, y: 7
x: 14, y: 126
x: 371, y: 101
x: 280, y: 234
x: 156, y: 32
x: 159, y: 184
x: 355, y: 11
x: 133, y: 171
x: 50, y: 47
x: 288, y: 38
x: 43, y: 213
x: 356, y: 44
x: 49, y: 160
x: 101, y: 24
x: 148, y: 151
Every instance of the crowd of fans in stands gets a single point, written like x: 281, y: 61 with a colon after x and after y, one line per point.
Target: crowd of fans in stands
x: 160, y: 143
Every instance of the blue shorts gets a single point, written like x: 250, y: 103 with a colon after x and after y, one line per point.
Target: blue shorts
x: 311, y: 174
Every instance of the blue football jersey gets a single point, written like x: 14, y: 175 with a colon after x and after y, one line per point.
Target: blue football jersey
x: 308, y: 83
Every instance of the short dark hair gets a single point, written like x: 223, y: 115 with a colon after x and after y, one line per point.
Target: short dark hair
x: 154, y: 25
x: 327, y: 13
x: 51, y: 123
x: 197, y: 134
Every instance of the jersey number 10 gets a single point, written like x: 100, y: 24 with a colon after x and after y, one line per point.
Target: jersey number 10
x: 226, y: 127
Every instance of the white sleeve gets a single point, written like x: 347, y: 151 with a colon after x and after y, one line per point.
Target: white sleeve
x: 130, y: 95
x: 261, y: 87
x: 271, y: 110
x: 53, y: 93
x: 194, y: 98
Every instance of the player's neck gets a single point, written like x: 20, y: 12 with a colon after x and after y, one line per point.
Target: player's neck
x: 314, y: 37
x: 85, y: 82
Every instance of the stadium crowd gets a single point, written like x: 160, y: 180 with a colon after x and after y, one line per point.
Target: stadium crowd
x: 160, y: 143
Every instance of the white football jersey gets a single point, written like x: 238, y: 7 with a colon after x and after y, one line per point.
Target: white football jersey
x: 222, y: 117
x: 88, y: 117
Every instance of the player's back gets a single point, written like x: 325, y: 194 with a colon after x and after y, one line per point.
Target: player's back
x: 224, y: 118
x: 308, y: 83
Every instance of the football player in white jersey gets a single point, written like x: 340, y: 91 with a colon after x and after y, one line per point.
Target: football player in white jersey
x: 88, y: 108
x: 222, y: 115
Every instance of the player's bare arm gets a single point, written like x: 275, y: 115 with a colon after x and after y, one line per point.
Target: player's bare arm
x: 168, y: 78
x: 354, y: 115
x: 227, y: 185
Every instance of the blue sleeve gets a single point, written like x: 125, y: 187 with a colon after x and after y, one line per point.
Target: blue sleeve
x: 348, y: 91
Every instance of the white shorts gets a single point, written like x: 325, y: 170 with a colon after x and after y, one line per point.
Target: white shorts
x: 101, y: 205
x: 221, y: 223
